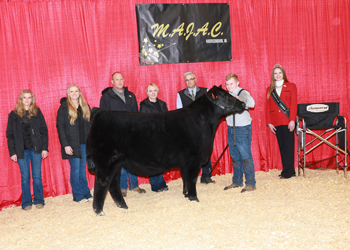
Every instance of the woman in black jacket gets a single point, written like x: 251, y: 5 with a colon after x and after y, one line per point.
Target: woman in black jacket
x: 28, y: 141
x: 73, y: 124
x: 152, y: 105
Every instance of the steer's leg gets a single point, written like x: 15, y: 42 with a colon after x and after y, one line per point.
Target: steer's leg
x: 102, y: 182
x: 114, y: 190
x: 185, y: 187
x: 192, y: 191
x: 189, y: 177
x: 184, y: 176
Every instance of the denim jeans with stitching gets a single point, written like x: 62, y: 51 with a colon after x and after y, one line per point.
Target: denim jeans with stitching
x: 78, y: 181
x: 33, y: 160
x: 241, y: 155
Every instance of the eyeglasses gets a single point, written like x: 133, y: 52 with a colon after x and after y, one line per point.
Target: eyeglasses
x: 191, y: 79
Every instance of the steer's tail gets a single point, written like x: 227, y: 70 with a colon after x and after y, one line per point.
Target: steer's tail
x: 94, y: 111
x: 91, y: 164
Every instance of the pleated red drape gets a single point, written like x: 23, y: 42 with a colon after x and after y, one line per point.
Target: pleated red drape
x: 47, y: 45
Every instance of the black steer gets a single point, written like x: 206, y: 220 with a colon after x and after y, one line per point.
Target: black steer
x: 151, y: 143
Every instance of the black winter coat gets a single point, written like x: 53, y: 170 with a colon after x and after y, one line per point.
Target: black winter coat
x: 111, y: 101
x: 146, y: 106
x: 14, y: 134
x: 69, y: 134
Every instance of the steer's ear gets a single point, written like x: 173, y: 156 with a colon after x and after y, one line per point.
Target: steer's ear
x: 220, y: 86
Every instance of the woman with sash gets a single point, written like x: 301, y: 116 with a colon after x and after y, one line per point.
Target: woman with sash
x: 281, y: 111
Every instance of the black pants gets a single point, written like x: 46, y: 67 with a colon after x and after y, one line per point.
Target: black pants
x: 285, y: 140
x: 206, y: 170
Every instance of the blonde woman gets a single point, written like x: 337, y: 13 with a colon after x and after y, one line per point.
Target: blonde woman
x: 153, y: 105
x: 73, y: 123
x: 28, y: 141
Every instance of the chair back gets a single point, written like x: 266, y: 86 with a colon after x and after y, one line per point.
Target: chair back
x: 318, y: 115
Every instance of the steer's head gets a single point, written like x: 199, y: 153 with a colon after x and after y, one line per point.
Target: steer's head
x: 225, y: 101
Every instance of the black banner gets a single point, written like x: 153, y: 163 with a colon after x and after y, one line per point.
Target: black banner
x: 178, y: 33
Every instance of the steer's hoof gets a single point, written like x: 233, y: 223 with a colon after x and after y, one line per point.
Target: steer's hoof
x: 194, y: 199
x: 100, y: 214
x: 123, y: 206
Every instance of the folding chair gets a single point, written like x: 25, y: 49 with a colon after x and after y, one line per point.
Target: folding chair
x: 323, y: 117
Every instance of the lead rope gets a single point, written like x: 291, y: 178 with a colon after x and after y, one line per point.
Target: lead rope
x: 234, y: 130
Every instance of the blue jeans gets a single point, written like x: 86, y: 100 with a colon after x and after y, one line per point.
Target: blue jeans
x: 78, y: 179
x: 241, y: 154
x: 124, y: 176
x: 24, y: 165
x: 157, y: 182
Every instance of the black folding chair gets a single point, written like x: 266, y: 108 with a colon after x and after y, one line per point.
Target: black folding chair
x: 324, y: 118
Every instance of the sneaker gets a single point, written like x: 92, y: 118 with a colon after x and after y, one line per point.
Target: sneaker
x: 27, y: 208
x: 248, y: 188
x: 39, y: 206
x: 230, y: 186
x: 91, y: 199
x: 83, y: 201
x: 139, y: 190
x: 123, y: 192
x: 207, y: 180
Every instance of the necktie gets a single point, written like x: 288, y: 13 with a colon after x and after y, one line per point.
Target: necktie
x: 193, y: 97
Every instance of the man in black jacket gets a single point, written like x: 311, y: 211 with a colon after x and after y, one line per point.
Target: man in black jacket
x: 184, y: 98
x: 119, y: 98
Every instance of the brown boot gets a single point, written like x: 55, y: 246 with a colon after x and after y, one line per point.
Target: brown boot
x: 123, y: 192
x: 40, y: 206
x: 248, y: 188
x: 27, y: 208
x: 230, y: 186
x: 139, y: 190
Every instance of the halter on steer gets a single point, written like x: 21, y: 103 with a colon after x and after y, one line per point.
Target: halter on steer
x: 222, y: 104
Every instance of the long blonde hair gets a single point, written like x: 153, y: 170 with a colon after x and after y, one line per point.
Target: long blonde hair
x: 20, y: 109
x: 72, y: 111
x: 273, y: 82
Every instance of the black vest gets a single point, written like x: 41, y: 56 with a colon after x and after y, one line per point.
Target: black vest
x: 186, y: 97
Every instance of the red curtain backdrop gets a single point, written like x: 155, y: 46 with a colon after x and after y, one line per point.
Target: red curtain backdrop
x: 47, y: 45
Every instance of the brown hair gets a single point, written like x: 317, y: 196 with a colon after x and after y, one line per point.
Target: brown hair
x: 72, y: 111
x: 273, y: 82
x: 20, y: 109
